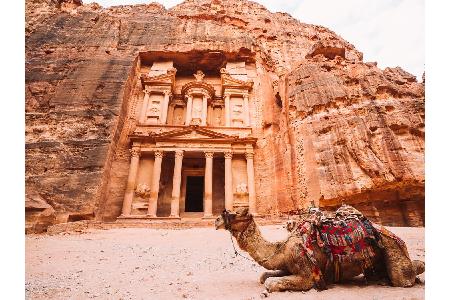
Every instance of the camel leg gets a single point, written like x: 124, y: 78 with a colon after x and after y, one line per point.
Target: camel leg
x: 401, y: 270
x: 276, y: 273
x: 289, y: 283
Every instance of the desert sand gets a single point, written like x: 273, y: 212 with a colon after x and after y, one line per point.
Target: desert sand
x: 198, y: 263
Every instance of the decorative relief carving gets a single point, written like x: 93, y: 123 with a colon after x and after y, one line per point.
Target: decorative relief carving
x: 179, y: 153
x: 197, y: 109
x: 249, y: 155
x: 241, y: 189
x: 135, y: 152
x: 199, y: 75
x: 209, y: 154
x: 159, y: 154
x: 142, y: 190
x: 178, y: 119
x: 195, y: 121
x: 237, y: 110
x: 228, y: 154
x: 154, y: 108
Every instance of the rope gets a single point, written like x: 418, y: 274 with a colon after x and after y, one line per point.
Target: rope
x: 236, y: 253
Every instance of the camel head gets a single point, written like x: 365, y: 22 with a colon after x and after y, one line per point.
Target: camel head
x: 233, y: 220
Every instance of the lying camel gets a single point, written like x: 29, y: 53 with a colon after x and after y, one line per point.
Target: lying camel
x: 291, y: 269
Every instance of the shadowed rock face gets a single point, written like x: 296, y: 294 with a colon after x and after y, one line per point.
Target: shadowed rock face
x: 332, y: 128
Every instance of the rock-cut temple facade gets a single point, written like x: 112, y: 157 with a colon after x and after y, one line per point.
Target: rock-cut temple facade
x: 192, y: 146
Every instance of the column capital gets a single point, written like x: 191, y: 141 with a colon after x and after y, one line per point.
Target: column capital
x: 179, y: 153
x: 209, y: 154
x: 245, y: 96
x: 228, y: 154
x: 135, y: 152
x: 249, y: 155
x: 167, y: 93
x: 159, y: 153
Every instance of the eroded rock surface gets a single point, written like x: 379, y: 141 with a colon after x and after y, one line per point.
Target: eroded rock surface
x: 331, y: 128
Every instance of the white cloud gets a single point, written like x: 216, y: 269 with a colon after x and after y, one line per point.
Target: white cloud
x: 391, y: 32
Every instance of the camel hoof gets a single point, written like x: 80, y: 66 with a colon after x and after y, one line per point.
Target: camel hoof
x: 263, y: 277
x: 419, y: 266
x: 271, y: 285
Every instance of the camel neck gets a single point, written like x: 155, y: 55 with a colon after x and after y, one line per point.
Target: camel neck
x: 265, y: 253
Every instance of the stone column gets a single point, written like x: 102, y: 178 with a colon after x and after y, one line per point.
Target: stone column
x: 165, y: 107
x: 176, y: 183
x: 251, y: 183
x: 144, y: 107
x: 228, y: 181
x: 131, y: 182
x: 154, y: 190
x: 170, y: 114
x: 208, y: 184
x: 227, y: 111
x: 204, y: 111
x: 246, y: 111
x: 188, y: 110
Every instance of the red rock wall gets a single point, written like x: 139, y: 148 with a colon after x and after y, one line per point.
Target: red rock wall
x: 339, y: 129
x: 358, y: 135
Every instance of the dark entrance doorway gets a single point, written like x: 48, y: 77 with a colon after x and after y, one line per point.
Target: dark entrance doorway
x: 195, y: 186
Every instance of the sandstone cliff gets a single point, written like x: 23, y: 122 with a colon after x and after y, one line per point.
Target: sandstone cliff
x: 333, y: 128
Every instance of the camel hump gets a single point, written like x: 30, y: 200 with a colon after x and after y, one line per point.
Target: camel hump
x: 419, y: 266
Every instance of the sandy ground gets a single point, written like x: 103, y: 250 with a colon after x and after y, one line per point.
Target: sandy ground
x: 141, y: 263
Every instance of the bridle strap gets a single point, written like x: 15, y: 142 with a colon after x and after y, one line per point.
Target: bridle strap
x: 228, y: 221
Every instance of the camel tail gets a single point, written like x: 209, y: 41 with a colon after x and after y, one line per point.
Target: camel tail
x: 419, y: 266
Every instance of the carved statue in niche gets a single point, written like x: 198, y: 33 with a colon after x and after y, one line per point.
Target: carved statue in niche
x: 218, y: 121
x: 197, y: 109
x: 237, y: 110
x: 142, y: 190
x: 199, y: 75
x: 178, y: 120
x: 154, y: 108
x: 241, y: 189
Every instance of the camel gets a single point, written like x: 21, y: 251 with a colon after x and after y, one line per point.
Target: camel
x: 290, y: 269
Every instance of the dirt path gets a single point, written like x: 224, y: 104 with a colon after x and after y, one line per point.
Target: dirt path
x: 140, y: 263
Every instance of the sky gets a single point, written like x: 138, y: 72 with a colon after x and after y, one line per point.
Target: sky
x: 390, y: 32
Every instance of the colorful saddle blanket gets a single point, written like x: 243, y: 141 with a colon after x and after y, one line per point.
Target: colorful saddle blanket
x: 348, y: 240
x: 346, y: 235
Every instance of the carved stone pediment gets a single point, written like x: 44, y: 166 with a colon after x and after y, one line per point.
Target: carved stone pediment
x: 230, y: 82
x: 192, y: 133
x: 167, y: 79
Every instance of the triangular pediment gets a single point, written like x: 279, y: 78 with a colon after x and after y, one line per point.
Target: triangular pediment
x: 228, y: 80
x: 163, y: 79
x: 192, y: 133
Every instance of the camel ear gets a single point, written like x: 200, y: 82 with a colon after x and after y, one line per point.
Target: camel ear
x: 242, y: 211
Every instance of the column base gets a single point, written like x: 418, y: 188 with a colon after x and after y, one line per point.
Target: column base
x: 256, y: 215
x: 208, y: 217
x: 122, y: 216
